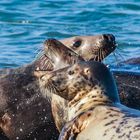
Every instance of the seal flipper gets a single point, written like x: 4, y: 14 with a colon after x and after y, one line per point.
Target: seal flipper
x: 67, y: 132
x: 5, y: 123
x: 74, y: 127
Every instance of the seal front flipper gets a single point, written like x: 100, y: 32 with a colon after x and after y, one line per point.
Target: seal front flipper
x: 74, y: 127
x: 68, y: 132
x: 5, y: 124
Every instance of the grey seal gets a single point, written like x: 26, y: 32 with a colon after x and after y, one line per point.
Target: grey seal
x: 92, y: 108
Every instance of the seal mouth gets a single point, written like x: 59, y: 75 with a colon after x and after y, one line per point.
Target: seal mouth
x: 102, y: 53
x: 44, y: 63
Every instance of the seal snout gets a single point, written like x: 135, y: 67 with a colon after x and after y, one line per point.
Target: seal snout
x: 108, y: 43
x: 109, y: 37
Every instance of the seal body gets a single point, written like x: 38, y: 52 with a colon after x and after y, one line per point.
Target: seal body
x: 93, y: 106
x: 21, y: 104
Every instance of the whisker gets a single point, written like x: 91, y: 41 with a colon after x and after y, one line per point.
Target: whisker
x: 117, y: 52
x: 117, y: 62
x: 98, y: 55
x: 102, y: 54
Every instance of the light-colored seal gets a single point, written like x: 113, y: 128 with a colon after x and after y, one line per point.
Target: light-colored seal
x: 93, y: 106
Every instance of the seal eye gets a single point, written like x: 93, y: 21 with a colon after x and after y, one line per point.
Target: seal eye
x: 70, y: 54
x: 77, y: 44
x: 70, y: 72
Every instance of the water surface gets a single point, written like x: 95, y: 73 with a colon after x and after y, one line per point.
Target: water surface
x: 25, y: 24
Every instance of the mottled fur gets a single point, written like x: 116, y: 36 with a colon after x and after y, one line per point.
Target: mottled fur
x: 93, y: 109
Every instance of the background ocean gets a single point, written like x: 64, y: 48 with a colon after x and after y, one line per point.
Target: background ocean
x: 25, y: 24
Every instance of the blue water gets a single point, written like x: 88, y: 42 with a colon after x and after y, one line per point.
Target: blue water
x: 25, y: 24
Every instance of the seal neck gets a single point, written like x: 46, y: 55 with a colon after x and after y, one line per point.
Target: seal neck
x: 88, y: 101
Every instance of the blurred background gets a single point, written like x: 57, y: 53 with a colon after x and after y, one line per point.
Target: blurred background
x: 25, y: 24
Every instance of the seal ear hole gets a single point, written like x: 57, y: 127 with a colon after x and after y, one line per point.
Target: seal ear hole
x: 77, y: 43
x: 87, y: 71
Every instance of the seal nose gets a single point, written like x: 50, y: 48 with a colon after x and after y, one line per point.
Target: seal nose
x: 49, y: 42
x: 109, y: 37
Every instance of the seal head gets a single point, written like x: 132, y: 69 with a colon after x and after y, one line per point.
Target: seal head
x: 64, y: 84
x: 64, y: 81
x: 92, y: 47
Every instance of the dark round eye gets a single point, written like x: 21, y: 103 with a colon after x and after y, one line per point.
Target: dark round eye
x: 70, y: 54
x: 70, y: 72
x: 77, y: 43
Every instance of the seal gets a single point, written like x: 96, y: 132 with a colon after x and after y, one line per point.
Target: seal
x: 93, y: 105
x: 21, y: 104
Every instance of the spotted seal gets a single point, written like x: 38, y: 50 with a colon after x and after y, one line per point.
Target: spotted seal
x: 93, y: 106
x: 21, y: 104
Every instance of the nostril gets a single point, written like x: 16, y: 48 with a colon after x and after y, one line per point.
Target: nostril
x: 105, y: 36
x: 50, y: 41
x: 109, y: 37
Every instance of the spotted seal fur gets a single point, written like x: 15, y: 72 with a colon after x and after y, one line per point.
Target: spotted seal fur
x: 22, y: 102
x: 93, y: 106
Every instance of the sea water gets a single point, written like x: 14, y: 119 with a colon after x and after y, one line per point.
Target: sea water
x: 25, y: 24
